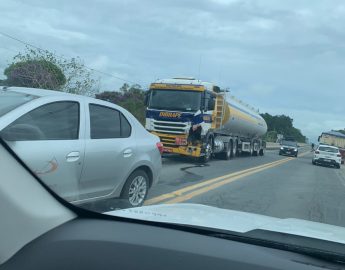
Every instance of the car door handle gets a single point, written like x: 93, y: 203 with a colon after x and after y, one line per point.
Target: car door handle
x: 127, y: 153
x: 73, y: 156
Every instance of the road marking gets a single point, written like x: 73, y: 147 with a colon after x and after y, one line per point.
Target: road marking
x: 201, y: 186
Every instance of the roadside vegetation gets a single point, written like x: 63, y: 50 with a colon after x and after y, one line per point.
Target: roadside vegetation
x: 43, y: 69
x: 281, y: 124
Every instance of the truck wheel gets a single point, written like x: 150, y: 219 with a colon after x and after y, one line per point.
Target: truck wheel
x: 208, y: 152
x: 234, y: 149
x: 262, y: 152
x: 226, y: 155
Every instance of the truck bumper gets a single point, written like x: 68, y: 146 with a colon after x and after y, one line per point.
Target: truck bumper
x: 169, y: 145
x: 192, y: 151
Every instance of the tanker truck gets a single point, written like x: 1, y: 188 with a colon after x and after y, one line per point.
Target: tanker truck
x: 197, y: 119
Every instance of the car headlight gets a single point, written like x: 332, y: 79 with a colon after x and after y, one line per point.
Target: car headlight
x: 295, y: 149
x: 281, y: 148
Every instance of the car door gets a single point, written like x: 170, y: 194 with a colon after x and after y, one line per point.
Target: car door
x: 109, y: 151
x: 47, y: 140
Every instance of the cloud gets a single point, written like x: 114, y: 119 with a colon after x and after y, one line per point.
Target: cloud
x: 279, y: 56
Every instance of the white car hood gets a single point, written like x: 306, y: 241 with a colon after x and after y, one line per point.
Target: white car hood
x: 241, y: 222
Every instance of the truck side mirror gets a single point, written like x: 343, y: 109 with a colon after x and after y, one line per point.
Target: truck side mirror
x: 211, y: 104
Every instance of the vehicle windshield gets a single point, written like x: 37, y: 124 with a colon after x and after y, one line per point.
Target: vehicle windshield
x: 328, y: 149
x: 289, y: 143
x: 175, y: 100
x: 11, y: 100
x: 220, y: 114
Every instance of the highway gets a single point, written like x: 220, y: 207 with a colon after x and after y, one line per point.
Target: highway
x: 272, y: 185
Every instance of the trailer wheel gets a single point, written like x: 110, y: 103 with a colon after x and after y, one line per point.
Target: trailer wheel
x: 233, y: 149
x: 227, y: 154
x: 262, y: 152
x: 251, y: 151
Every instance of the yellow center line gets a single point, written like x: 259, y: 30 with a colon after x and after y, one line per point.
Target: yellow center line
x: 236, y: 175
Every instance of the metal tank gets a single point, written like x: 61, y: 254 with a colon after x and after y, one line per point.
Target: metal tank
x: 241, y: 120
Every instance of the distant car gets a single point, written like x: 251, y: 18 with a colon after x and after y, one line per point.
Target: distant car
x: 327, y: 155
x: 288, y: 148
x: 84, y: 149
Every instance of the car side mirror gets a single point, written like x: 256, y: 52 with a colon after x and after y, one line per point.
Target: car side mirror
x: 22, y: 132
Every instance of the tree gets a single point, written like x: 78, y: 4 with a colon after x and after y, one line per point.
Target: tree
x: 43, y: 69
x: 282, y: 124
x: 35, y: 74
x: 130, y: 97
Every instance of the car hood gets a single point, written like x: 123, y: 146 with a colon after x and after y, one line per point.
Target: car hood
x: 241, y: 222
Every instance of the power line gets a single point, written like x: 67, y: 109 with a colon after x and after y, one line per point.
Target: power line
x: 90, y: 68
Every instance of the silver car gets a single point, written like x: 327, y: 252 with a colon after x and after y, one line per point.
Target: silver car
x: 84, y: 149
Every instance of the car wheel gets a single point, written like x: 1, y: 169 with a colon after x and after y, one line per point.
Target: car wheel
x: 280, y: 153
x: 136, y: 188
x: 338, y: 166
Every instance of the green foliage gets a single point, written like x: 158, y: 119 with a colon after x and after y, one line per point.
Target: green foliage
x: 130, y: 97
x: 342, y: 131
x: 282, y: 124
x: 271, y: 136
x: 43, y: 69
x: 35, y: 74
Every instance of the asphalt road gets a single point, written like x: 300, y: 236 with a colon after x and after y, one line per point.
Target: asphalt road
x: 272, y: 185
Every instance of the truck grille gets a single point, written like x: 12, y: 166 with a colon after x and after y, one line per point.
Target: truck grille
x: 170, y: 127
x: 168, y: 142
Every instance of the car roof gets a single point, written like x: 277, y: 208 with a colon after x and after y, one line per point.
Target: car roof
x: 36, y: 91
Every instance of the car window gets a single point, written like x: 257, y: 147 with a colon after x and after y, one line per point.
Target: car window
x: 328, y: 149
x: 10, y: 100
x: 289, y: 143
x: 53, y: 121
x: 105, y: 122
x: 125, y: 127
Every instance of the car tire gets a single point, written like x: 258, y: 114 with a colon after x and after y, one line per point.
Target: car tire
x: 313, y: 162
x: 136, y: 188
x: 338, y: 166
x: 296, y: 155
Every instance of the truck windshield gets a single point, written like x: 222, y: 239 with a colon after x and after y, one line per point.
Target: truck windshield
x: 176, y: 100
x: 11, y: 100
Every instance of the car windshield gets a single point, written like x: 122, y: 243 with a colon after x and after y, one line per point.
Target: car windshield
x: 328, y: 149
x: 11, y: 100
x: 223, y: 114
x: 176, y: 100
x: 289, y: 143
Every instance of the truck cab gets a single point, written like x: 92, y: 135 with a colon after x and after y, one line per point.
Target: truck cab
x: 179, y: 111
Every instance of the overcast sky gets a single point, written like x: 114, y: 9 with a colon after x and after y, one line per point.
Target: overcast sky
x: 282, y: 57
